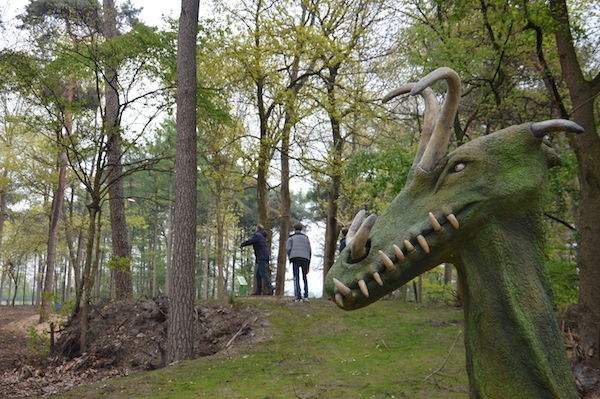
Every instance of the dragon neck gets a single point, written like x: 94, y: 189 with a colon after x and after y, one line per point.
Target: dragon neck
x: 513, y: 345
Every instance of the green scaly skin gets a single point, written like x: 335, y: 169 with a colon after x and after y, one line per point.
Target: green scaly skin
x: 513, y: 344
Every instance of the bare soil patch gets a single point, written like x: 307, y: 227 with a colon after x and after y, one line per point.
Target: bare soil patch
x: 13, y: 342
x: 124, y: 337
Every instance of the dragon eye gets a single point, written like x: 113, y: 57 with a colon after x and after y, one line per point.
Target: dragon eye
x: 459, y: 167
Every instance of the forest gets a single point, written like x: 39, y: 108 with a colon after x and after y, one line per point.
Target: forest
x: 135, y: 158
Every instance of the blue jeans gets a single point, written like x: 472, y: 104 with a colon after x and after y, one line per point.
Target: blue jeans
x: 261, y: 274
x: 297, y: 265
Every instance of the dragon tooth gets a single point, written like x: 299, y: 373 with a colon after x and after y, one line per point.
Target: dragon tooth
x: 423, y: 243
x: 377, y: 279
x: 409, y: 246
x: 434, y: 222
x: 339, y: 300
x: 341, y: 287
x: 398, y: 252
x: 363, y: 287
x: 453, y: 220
x: 387, y: 262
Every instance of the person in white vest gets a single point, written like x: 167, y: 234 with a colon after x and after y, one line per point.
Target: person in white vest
x: 299, y: 253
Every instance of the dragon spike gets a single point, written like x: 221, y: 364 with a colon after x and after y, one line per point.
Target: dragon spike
x: 387, y: 262
x: 540, y: 129
x: 358, y: 219
x: 342, y: 288
x: 438, y: 143
x: 378, y: 279
x: 359, y: 242
x: 434, y: 222
x: 429, y: 117
x: 363, y: 287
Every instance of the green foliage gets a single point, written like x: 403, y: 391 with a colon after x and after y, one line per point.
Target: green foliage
x: 38, y: 342
x: 563, y: 273
x: 67, y: 308
x: 119, y: 263
x: 434, y: 289
x: 377, y: 176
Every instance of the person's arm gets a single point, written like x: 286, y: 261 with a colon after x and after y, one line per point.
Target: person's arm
x: 249, y: 241
x: 288, y: 246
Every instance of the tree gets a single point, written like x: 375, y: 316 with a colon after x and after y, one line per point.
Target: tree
x: 343, y: 45
x: 582, y: 92
x: 182, y: 276
x: 502, y: 74
x: 120, y: 242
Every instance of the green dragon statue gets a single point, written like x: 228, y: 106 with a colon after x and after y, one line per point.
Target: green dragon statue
x: 478, y: 207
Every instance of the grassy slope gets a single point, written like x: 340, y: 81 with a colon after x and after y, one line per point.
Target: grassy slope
x: 317, y: 351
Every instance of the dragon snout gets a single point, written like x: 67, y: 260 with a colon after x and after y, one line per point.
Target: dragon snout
x: 381, y: 272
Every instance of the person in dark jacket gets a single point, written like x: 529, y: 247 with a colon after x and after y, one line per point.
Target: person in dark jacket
x: 261, y: 253
x: 343, y: 239
x: 299, y: 253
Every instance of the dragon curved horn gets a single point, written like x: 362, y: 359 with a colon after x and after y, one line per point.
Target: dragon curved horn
x: 429, y: 118
x: 438, y: 144
x: 540, y: 129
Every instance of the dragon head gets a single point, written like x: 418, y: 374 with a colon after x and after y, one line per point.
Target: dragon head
x: 447, y: 198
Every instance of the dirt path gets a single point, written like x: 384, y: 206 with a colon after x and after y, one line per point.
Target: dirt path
x: 13, y: 341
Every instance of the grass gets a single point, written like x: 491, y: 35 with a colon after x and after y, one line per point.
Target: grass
x: 316, y: 351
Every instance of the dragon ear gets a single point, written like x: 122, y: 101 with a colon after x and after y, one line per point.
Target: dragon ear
x: 552, y: 158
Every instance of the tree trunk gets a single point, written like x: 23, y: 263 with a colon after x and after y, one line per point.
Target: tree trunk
x: 57, y: 205
x: 2, y: 278
x: 181, y: 282
x: 587, y: 149
x: 118, y: 223
x: 220, y: 218
x: 205, y: 271
x: 2, y: 218
x: 168, y: 249
x: 87, y: 279
x: 284, y: 221
x: 447, y: 273
x: 332, y: 229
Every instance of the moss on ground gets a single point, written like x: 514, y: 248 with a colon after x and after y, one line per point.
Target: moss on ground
x: 313, y: 350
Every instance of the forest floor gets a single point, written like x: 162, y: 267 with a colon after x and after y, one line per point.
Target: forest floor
x: 260, y: 347
x: 13, y: 341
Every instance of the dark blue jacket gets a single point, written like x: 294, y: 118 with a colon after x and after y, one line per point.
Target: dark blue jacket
x: 259, y: 243
x: 342, y: 244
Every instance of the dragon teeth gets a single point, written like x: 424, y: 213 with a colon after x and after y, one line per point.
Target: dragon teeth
x: 434, y: 222
x: 387, y: 262
x: 363, y: 287
x: 378, y: 279
x: 409, y: 246
x: 453, y: 220
x: 341, y: 287
x: 423, y: 243
x: 398, y: 252
x: 339, y: 300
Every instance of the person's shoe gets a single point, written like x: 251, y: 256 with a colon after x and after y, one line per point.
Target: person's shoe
x: 305, y: 299
x: 297, y: 300
x: 271, y: 291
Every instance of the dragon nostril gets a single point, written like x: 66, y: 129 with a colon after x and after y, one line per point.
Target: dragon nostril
x: 365, y: 252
